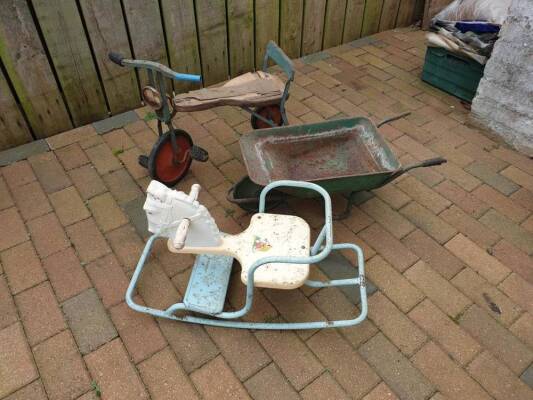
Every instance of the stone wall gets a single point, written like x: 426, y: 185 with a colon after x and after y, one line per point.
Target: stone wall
x: 504, y: 101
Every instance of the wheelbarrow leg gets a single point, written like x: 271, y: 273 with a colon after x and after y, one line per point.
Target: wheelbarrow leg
x: 348, y: 209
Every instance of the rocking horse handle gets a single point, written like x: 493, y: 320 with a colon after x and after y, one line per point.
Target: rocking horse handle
x: 181, y: 233
x: 195, y: 189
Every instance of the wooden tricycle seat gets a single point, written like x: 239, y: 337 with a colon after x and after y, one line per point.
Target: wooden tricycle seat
x: 253, y: 89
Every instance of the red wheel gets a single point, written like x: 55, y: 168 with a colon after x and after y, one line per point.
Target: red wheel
x: 272, y: 113
x: 166, y: 166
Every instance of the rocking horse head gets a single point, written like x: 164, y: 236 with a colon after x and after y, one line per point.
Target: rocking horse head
x: 166, y: 208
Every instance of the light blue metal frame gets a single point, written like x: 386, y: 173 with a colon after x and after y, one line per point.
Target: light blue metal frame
x: 319, y: 252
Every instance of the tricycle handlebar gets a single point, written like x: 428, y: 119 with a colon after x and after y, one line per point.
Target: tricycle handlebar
x: 153, y: 66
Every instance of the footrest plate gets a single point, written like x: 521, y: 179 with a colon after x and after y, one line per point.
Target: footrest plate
x: 206, y: 291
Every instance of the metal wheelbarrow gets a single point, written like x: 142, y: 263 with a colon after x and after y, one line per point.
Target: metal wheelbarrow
x: 343, y: 155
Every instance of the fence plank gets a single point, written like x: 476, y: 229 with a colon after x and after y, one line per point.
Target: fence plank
x: 241, y: 36
x: 353, y: 21
x: 107, y: 31
x: 146, y: 32
x: 28, y: 69
x: 180, y: 28
x: 388, y: 15
x: 65, y: 39
x: 405, y: 12
x: 334, y: 25
x: 266, y: 27
x: 211, y: 17
x: 313, y: 26
x: 290, y: 32
x: 371, y: 17
x: 13, y: 128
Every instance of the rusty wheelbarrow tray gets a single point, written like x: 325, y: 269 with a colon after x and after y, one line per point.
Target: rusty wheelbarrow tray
x: 343, y: 155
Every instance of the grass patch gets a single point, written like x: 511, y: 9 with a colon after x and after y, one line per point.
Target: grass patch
x: 116, y: 152
x: 96, y: 389
x: 150, y: 116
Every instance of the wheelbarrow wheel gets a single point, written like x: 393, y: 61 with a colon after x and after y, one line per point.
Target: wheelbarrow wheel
x: 272, y: 113
x: 164, y: 165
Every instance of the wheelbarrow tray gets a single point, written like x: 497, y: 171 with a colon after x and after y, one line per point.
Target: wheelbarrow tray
x: 342, y: 155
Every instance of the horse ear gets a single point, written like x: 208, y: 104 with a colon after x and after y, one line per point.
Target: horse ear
x: 157, y: 189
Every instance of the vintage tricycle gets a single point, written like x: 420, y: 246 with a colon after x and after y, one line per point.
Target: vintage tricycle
x: 275, y: 252
x: 260, y: 93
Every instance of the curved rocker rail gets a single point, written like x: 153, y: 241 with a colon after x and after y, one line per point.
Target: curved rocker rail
x: 318, y: 253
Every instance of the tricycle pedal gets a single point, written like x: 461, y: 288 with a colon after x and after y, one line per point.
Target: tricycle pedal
x: 143, y: 161
x: 199, y: 154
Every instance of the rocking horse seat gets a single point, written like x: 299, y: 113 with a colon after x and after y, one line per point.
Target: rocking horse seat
x: 253, y: 89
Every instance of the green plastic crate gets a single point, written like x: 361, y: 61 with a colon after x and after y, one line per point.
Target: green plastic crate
x: 452, y: 73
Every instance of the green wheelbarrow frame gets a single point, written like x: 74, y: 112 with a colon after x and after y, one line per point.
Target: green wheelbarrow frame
x: 343, y: 156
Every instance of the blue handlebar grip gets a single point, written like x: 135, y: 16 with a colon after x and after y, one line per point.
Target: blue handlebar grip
x: 188, y: 77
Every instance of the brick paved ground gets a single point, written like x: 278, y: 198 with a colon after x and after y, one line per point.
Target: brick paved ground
x: 448, y: 249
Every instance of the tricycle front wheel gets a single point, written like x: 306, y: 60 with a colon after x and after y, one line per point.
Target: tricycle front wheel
x: 271, y: 113
x: 167, y: 166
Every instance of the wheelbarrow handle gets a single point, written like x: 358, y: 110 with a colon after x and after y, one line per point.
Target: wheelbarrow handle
x: 426, y: 163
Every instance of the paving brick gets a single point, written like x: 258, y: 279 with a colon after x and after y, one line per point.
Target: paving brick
x: 500, y: 342
x: 523, y: 329
x: 119, y: 140
x: 497, y: 379
x: 395, y: 369
x: 459, y: 176
x: 428, y: 222
x: 232, y: 115
x: 393, y: 323
x: 47, y: 235
x: 66, y: 274
x: 519, y: 177
x: 31, y: 200
x: 269, y: 383
x: 342, y: 361
x: 481, y: 155
x: 18, y: 174
x: 106, y: 212
x: 423, y: 195
x: 137, y: 216
x: 49, y: 172
x: 396, y: 224
x: 39, y: 313
x: 291, y: 355
x: 218, y: 154
x: 109, y: 279
x: 69, y: 206
x: 222, y: 131
x: 518, y: 290
x: 87, y: 181
x: 449, y: 378
x: 61, y: 367
x: 215, y: 380
x: 429, y: 176
x: 517, y: 159
x: 13, y: 229
x: 293, y: 306
x: 16, y: 360
x: 414, y: 148
x: 165, y: 378
x: 438, y: 289
x: 33, y: 391
x: 524, y: 198
x: 122, y: 186
x: 8, y: 312
x: 515, y: 234
x: 6, y: 200
x: 155, y: 287
x: 69, y: 137
x: 240, y: 349
x: 323, y: 388
x: 334, y: 304
x: 112, y: 371
x: 483, y: 172
x: 190, y: 342
x: 207, y: 175
x: 22, y: 267
x: 457, y: 342
x: 139, y: 332
x: 126, y: 245
x: 103, y: 159
x: 501, y: 203
x: 469, y: 227
x: 392, y: 196
x: 321, y: 107
x: 88, y: 241
x: 527, y: 376
x: 91, y: 142
x: 390, y: 248
x: 88, y: 320
x: 393, y: 284
x: 487, y: 296
x: 145, y: 140
x: 71, y: 156
x: 477, y: 258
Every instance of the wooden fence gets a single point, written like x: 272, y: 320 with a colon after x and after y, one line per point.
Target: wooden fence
x: 55, y: 74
